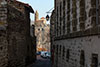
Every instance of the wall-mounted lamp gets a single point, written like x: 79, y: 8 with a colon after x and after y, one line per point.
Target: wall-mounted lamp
x: 48, y: 17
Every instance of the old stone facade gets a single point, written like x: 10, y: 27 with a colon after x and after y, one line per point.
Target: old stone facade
x: 76, y: 30
x: 15, y: 40
x: 42, y: 30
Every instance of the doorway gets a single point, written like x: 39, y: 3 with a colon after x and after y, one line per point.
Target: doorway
x: 94, y: 60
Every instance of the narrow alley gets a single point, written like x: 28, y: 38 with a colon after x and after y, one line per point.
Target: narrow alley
x: 49, y: 33
x: 41, y: 62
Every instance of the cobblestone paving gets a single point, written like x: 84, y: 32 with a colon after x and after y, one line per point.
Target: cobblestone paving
x: 41, y: 62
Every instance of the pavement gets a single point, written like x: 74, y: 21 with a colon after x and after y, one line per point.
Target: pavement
x: 41, y: 62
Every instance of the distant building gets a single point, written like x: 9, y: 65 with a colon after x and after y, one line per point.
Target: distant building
x: 42, y: 33
x: 75, y: 33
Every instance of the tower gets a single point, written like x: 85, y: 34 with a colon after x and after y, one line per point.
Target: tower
x: 36, y: 16
x: 3, y: 2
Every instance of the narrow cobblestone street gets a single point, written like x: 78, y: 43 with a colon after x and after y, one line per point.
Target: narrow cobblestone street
x: 41, y: 62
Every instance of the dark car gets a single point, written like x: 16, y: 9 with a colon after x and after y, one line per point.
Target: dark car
x: 38, y: 53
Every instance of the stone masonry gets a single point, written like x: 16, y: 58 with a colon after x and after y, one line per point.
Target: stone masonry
x: 76, y: 33
x: 15, y: 39
x: 3, y: 36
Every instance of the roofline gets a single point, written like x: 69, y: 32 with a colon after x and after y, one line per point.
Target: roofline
x: 25, y: 4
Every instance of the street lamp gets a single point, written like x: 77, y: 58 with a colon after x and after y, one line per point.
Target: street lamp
x: 48, y: 17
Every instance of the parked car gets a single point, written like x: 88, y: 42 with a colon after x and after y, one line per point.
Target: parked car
x: 45, y: 54
x: 38, y: 53
x: 48, y: 55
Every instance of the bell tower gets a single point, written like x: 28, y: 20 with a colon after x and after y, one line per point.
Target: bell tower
x: 36, y: 16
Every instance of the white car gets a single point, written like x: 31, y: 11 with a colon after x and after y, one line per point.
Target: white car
x: 45, y: 54
x: 48, y: 55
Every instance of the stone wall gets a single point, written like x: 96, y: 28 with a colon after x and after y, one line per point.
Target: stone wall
x: 90, y: 45
x: 52, y: 35
x: 31, y: 48
x: 3, y: 49
x: 76, y: 33
x: 80, y: 16
x: 16, y: 43
x: 3, y: 37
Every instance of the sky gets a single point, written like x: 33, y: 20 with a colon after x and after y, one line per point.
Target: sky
x: 42, y: 6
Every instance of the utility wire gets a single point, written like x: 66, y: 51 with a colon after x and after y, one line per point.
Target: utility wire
x: 50, y: 10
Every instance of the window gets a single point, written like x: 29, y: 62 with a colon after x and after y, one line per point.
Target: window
x: 74, y: 14
x: 0, y: 34
x: 63, y: 55
x: 67, y: 55
x: 82, y: 58
x: 60, y: 15
x: 68, y: 16
x: 82, y: 15
x: 60, y: 51
x: 42, y: 29
x: 64, y: 4
x: 39, y: 29
x: 57, y: 50
x: 1, y: 48
x: 57, y: 22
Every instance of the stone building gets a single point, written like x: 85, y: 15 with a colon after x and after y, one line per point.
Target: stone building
x: 76, y: 33
x: 42, y: 30
x: 16, y: 46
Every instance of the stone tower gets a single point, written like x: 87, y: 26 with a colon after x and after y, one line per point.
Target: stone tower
x: 2, y: 2
x: 36, y: 16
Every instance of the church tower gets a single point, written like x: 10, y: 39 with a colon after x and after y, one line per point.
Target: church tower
x: 36, y: 16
